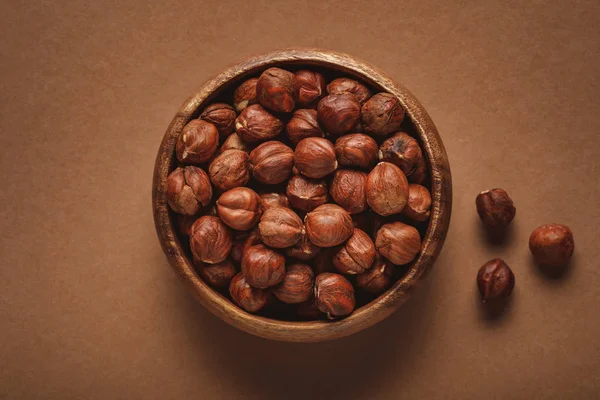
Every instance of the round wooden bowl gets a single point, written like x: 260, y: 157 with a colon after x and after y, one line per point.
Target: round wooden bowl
x: 363, y: 317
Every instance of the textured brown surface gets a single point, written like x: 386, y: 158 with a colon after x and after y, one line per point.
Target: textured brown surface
x: 89, y: 307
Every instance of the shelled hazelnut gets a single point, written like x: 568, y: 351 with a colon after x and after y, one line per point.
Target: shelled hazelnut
x: 398, y: 242
x: 376, y: 279
x: 303, y: 124
x: 315, y: 157
x: 304, y: 250
x: 339, y: 114
x: 356, y: 255
x: 418, y: 205
x: 387, y: 189
x: 275, y: 90
x: 328, y: 225
x: 495, y: 208
x: 356, y: 150
x: 309, y: 86
x: 271, y: 162
x: 255, y: 124
x: 552, y: 245
x: 347, y: 85
x: 262, y: 267
x: 495, y: 280
x: 297, y: 284
x: 197, y: 143
x: 334, y: 295
x: 401, y: 150
x: 247, y: 297
x: 382, y: 114
x: 222, y: 116
x: 188, y: 190
x: 245, y: 95
x: 217, y: 275
x: 235, y: 142
x: 229, y: 169
x: 349, y: 190
x: 269, y: 200
x: 210, y: 240
x: 280, y: 227
x: 239, y: 208
x: 306, y: 194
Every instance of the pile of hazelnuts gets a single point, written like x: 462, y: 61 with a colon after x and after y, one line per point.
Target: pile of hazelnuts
x: 305, y: 198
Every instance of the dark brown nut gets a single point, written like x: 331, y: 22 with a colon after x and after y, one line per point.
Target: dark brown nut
x: 398, y: 242
x: 218, y: 275
x: 271, y: 162
x: 269, y: 200
x: 552, y: 245
x: 324, y: 261
x: 334, y: 295
x: 275, y: 90
x: 387, y: 189
x: 239, y: 208
x: 356, y: 150
x: 304, y: 250
x: 280, y: 227
x: 197, y: 143
x: 252, y: 240
x: 495, y: 208
x: 297, y: 284
x: 419, y: 174
x: 376, y: 279
x: 255, y: 124
x: 247, y: 297
x: 229, y: 169
x: 328, y: 225
x: 418, y: 206
x: 235, y: 142
x: 222, y: 116
x: 308, y: 310
x: 401, y: 150
x: 262, y: 266
x: 210, y: 240
x: 303, y: 124
x: 348, y: 189
x: 306, y: 194
x: 183, y: 223
x: 495, y: 280
x: 382, y: 114
x: 315, y: 157
x: 188, y: 190
x: 309, y: 86
x: 245, y: 95
x: 347, y: 85
x: 356, y: 255
x: 339, y: 114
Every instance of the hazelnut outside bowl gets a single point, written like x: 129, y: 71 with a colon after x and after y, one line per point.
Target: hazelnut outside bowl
x: 312, y: 331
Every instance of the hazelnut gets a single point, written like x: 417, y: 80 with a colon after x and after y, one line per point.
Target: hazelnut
x: 222, y: 116
x: 315, y: 157
x: 235, y: 142
x: 418, y: 206
x: 297, y: 284
x: 339, y: 114
x: 401, y: 150
x: 376, y: 279
x: 255, y: 124
x: 239, y: 208
x: 197, y: 143
x: 309, y: 86
x: 306, y: 194
x: 398, y: 242
x: 303, y: 124
x: 210, y: 240
x: 324, y: 261
x: 419, y: 174
x: 348, y: 189
x: 552, y: 245
x: 304, y: 250
x: 347, y: 85
x: 217, y: 275
x: 262, y: 266
x: 328, y: 225
x: 280, y: 227
x: 229, y: 169
x: 245, y: 95
x: 495, y: 208
x: 356, y: 255
x: 387, y: 189
x: 356, y: 150
x: 271, y: 162
x: 188, y: 190
x: 495, y: 280
x: 247, y: 297
x: 252, y: 239
x: 269, y: 200
x: 334, y: 295
x: 275, y: 90
x: 308, y: 310
x: 382, y: 114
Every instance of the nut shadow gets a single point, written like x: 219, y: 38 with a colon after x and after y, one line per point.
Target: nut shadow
x: 495, y: 312
x: 499, y: 238
x: 555, y: 275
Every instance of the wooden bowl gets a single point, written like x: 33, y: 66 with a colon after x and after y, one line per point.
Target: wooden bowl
x: 364, y: 317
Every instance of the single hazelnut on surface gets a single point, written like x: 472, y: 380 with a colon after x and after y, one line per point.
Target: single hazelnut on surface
x: 222, y: 116
x: 495, y: 280
x: 247, y: 297
x: 239, y: 208
x: 315, y: 157
x: 303, y: 124
x: 324, y: 261
x: 387, y: 189
x: 271, y: 162
x: 255, y: 124
x: 356, y: 150
x: 234, y: 142
x: 328, y: 225
x: 217, y: 275
x: 308, y: 310
x: 552, y: 245
x: 304, y: 250
x: 419, y: 174
x: 356, y: 255
x: 280, y: 227
x: 229, y: 169
x: 376, y: 279
x: 210, y: 240
x: 269, y: 200
x: 188, y: 190
x: 197, y: 143
x: 334, y: 295
x: 339, y: 114
x: 347, y: 85
x: 398, y: 242
x: 306, y: 194
x: 401, y: 150
x: 275, y: 90
x: 309, y: 86
x: 382, y: 114
x: 245, y: 94
x: 297, y: 284
x: 262, y: 266
x: 418, y: 206
x: 495, y: 208
x: 348, y: 189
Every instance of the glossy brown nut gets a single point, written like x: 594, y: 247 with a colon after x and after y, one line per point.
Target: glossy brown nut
x: 197, y: 143
x: 495, y: 208
x: 356, y: 255
x: 401, y: 150
x: 235, y: 142
x: 349, y: 190
x: 356, y: 150
x: 255, y: 124
x: 247, y: 297
x: 304, y: 250
x: 245, y: 95
x: 495, y: 280
x: 210, y: 240
x: 271, y: 162
x: 229, y: 169
x: 222, y: 116
x: 315, y: 157
x: 269, y: 200
x: 552, y: 245
x: 188, y: 190
x: 339, y: 114
x: 398, y: 242
x: 347, y: 85
x: 275, y: 90
x: 239, y: 208
x: 382, y: 114
x: 306, y: 194
x: 303, y: 124
x: 309, y: 86
x: 419, y: 174
x: 334, y: 295
x: 418, y: 206
x: 218, y: 275
x: 262, y: 266
x: 387, y: 189
x: 324, y: 261
x: 328, y: 225
x: 297, y: 284
x: 376, y: 279
x: 308, y: 310
x: 280, y: 227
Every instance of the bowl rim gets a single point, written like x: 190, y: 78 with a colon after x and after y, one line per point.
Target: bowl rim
x: 385, y: 304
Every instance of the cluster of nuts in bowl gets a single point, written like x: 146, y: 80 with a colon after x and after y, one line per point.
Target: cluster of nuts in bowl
x: 305, y: 198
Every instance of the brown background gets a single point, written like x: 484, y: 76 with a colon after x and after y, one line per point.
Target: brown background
x: 89, y: 308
